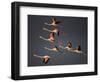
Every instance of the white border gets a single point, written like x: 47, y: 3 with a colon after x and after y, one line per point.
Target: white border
x: 24, y: 70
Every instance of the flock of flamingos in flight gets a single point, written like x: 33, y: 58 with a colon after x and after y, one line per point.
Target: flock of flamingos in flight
x: 55, y: 31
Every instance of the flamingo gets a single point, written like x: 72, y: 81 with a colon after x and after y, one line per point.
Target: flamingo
x: 54, y: 22
x: 45, y: 58
x: 55, y: 49
x: 68, y: 47
x: 54, y: 30
x: 50, y: 39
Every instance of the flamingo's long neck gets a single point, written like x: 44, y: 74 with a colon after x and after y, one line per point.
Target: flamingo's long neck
x: 37, y: 56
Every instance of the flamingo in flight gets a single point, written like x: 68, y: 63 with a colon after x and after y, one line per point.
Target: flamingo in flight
x: 50, y: 39
x: 54, y: 22
x: 68, y: 47
x: 45, y: 58
x: 55, y: 49
x: 54, y: 30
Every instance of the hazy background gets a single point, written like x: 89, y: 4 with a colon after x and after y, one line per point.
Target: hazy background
x: 76, y: 29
